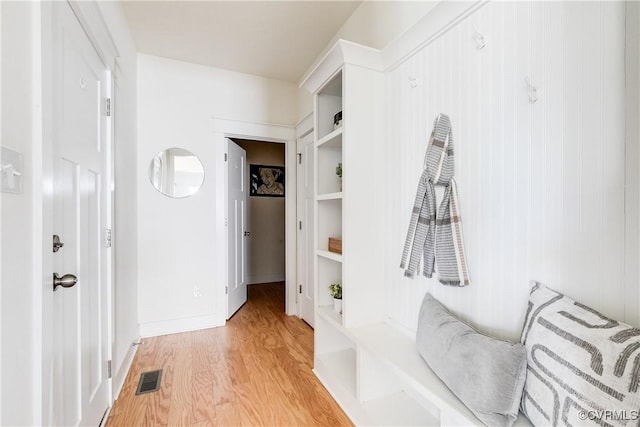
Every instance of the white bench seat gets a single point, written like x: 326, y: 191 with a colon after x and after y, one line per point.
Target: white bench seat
x: 391, y: 350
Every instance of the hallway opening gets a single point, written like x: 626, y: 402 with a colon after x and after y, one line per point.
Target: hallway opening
x: 264, y: 233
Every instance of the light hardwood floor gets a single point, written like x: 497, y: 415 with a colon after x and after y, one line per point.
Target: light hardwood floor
x: 254, y: 371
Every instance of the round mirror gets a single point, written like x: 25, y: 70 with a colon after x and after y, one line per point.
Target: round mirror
x: 176, y: 172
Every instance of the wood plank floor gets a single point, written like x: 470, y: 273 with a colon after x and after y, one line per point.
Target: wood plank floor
x: 254, y: 371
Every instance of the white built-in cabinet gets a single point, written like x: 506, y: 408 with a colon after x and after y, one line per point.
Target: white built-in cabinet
x: 370, y: 367
x: 349, y: 79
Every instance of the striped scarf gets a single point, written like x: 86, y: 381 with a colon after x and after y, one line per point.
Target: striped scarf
x: 437, y: 235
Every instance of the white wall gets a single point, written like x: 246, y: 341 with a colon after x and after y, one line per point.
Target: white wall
x: 177, y: 102
x: 374, y: 24
x: 266, y: 217
x: 126, y: 330
x: 17, y: 220
x: 542, y: 186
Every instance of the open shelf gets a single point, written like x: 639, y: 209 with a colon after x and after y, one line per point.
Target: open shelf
x: 329, y: 222
x: 330, y: 196
x: 332, y: 140
x: 329, y: 255
x: 329, y: 271
x: 329, y: 156
x: 329, y: 103
x: 397, y: 353
x: 339, y: 368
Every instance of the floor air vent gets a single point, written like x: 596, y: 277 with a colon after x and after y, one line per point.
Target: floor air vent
x: 149, y: 382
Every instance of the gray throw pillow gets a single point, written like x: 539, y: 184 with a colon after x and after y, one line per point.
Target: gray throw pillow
x: 584, y: 368
x: 485, y: 373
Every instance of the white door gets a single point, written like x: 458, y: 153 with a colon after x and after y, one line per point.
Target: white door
x: 237, y: 226
x: 305, y: 228
x: 81, y: 340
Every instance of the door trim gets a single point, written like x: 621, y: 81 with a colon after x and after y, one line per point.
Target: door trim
x: 303, y: 128
x: 269, y: 132
x: 91, y: 20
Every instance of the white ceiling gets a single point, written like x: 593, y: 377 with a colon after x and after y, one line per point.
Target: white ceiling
x: 275, y: 39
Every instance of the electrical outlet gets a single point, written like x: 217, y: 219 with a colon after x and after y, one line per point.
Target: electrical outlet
x: 197, y: 292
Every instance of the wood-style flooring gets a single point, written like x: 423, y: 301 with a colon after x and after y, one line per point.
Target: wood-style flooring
x: 254, y: 371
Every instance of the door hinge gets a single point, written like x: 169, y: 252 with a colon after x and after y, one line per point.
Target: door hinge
x: 108, y: 368
x: 226, y: 290
x: 226, y: 222
x: 299, y: 225
x: 226, y: 157
x: 299, y: 158
x: 107, y: 107
x: 300, y: 289
x: 107, y: 238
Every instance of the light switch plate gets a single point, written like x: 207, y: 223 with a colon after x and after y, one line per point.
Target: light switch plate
x: 10, y: 171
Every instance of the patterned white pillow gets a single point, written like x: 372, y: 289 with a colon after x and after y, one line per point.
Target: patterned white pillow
x: 583, y: 368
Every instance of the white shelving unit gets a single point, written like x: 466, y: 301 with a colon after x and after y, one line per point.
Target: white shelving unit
x: 347, y: 81
x: 329, y: 223
x: 348, y: 209
x: 371, y: 368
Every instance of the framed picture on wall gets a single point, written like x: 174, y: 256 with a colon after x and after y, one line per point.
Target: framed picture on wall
x: 266, y: 181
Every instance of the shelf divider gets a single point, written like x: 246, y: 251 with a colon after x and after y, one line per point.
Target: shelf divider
x: 329, y: 255
x: 333, y: 139
x: 330, y: 196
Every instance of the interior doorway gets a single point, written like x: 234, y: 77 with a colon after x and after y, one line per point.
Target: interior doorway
x: 263, y: 235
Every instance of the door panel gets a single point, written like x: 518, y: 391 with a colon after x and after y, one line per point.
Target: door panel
x: 80, y: 205
x: 237, y: 225
x: 305, y: 234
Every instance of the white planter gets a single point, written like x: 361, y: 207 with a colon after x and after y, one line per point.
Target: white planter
x: 337, y: 305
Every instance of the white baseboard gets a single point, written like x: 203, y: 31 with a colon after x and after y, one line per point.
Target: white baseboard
x: 121, y: 375
x: 266, y: 278
x: 174, y: 326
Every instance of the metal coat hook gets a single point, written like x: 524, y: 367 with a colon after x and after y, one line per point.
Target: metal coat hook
x: 479, y: 39
x: 532, y: 91
x: 413, y: 82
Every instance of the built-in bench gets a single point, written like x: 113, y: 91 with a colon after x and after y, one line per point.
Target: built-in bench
x: 385, y: 381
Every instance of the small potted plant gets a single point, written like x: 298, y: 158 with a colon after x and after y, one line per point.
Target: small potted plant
x: 335, y: 289
x: 339, y: 173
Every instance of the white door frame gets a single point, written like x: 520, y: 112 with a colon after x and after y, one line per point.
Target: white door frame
x: 91, y: 20
x: 223, y: 129
x: 303, y: 128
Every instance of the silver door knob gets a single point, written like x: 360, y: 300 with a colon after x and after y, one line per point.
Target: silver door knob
x: 66, y: 281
